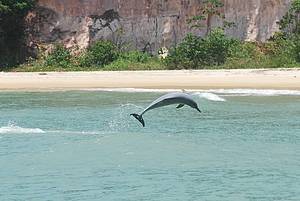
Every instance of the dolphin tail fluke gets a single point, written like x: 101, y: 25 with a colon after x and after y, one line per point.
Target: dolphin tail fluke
x: 139, y: 118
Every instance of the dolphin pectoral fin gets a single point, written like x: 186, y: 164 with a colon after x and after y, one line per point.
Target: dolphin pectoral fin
x: 180, y: 106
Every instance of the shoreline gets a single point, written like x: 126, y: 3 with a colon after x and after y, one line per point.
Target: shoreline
x: 277, y: 79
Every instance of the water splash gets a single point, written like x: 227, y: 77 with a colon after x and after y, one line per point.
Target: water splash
x: 121, y: 118
x: 131, y: 105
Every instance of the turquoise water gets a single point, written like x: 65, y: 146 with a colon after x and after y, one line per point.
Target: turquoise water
x: 84, y: 146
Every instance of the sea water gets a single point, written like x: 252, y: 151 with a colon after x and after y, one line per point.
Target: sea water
x: 83, y: 145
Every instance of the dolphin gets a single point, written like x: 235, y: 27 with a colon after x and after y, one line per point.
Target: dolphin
x: 180, y: 98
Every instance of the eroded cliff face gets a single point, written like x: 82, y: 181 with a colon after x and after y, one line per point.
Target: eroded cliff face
x: 255, y: 20
x: 145, y: 24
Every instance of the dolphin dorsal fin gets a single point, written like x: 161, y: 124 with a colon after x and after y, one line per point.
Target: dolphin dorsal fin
x: 180, y: 106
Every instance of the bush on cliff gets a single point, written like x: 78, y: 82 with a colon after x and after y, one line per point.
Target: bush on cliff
x: 197, y: 52
x: 135, y: 60
x: 60, y: 57
x: 244, y: 55
x: 283, y: 50
x: 135, y: 56
x: 290, y: 23
x: 99, y: 54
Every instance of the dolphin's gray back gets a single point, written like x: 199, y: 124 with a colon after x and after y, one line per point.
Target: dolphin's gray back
x: 169, y: 99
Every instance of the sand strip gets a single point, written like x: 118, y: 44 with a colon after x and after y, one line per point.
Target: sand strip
x: 200, y: 79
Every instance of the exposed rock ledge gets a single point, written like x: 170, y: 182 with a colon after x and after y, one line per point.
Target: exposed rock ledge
x: 145, y: 24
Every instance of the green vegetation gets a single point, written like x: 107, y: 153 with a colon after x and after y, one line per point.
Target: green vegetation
x: 135, y: 60
x: 59, y: 57
x: 206, y: 12
x: 216, y: 50
x: 197, y: 52
x: 290, y: 24
x: 99, y: 54
x: 103, y: 55
x: 213, y: 51
x: 219, y: 51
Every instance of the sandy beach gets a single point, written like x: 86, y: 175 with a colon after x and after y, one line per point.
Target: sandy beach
x: 186, y: 79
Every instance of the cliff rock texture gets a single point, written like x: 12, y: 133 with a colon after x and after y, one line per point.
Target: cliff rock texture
x: 145, y: 24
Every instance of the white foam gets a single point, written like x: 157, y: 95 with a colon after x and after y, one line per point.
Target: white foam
x: 74, y: 132
x: 236, y: 92
x: 256, y: 92
x: 12, y: 129
x: 130, y: 90
x: 226, y: 92
x: 210, y: 96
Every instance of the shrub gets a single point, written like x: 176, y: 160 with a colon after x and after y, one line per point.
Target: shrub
x: 290, y: 23
x: 296, y: 40
x: 120, y: 65
x: 135, y: 56
x: 218, y: 47
x: 135, y: 60
x: 282, y: 50
x: 196, y: 52
x: 245, y: 55
x: 59, y: 57
x: 190, y: 53
x: 244, y: 50
x: 279, y: 51
x: 99, y: 54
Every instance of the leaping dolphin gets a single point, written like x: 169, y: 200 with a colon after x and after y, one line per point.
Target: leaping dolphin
x: 180, y: 98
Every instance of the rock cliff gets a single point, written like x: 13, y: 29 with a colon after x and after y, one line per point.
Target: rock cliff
x: 145, y: 24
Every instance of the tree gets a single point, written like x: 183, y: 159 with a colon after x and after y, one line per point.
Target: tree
x: 290, y: 23
x: 12, y: 13
x: 14, y: 8
x: 209, y: 10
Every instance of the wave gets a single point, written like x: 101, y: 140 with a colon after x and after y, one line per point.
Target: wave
x: 70, y: 132
x: 131, y: 90
x: 12, y: 129
x: 236, y: 92
x: 203, y: 94
x: 256, y: 92
x: 210, y: 96
x: 215, y: 94
x: 223, y: 92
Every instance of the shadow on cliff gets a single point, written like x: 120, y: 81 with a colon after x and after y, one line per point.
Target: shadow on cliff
x: 12, y: 45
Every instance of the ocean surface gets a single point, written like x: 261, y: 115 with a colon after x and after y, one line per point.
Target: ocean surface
x: 84, y: 146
